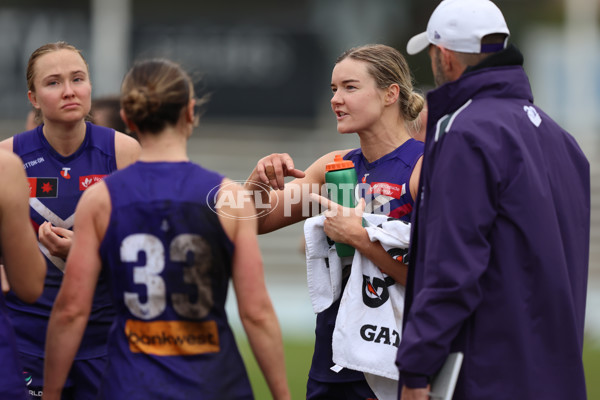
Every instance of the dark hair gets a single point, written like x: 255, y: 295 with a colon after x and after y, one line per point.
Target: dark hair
x: 154, y: 94
x: 387, y: 66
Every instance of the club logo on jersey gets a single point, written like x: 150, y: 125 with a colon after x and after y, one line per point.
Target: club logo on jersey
x: 172, y: 338
x: 65, y: 173
x: 43, y: 187
x: 533, y: 115
x: 87, y: 181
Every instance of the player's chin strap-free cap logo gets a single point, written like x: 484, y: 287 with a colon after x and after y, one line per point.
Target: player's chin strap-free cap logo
x: 225, y: 199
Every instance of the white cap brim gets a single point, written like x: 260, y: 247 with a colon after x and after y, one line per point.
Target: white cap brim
x: 417, y: 43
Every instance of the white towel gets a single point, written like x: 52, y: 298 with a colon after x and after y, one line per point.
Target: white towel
x: 369, y: 321
x: 323, y: 266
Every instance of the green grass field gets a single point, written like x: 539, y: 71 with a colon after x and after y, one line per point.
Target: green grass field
x: 298, y: 354
x: 591, y: 362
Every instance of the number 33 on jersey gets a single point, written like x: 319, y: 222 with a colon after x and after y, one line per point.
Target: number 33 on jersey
x: 170, y: 337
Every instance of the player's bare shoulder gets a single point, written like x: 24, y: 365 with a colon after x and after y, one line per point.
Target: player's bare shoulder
x: 317, y: 169
x: 235, y: 207
x: 7, y: 144
x: 11, y: 166
x: 96, y: 196
x: 127, y: 149
x: 234, y: 200
x: 12, y: 175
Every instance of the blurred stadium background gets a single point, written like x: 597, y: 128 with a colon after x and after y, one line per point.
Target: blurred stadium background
x: 267, y: 64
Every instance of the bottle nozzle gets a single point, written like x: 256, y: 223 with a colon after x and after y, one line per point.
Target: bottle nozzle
x: 339, y: 163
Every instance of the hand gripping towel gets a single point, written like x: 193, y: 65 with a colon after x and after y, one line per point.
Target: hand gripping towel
x: 369, y: 322
x: 323, y: 266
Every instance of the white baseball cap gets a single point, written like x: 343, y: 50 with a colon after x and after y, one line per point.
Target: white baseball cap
x: 459, y: 25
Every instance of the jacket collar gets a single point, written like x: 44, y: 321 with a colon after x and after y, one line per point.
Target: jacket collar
x: 500, y: 75
x: 509, y: 56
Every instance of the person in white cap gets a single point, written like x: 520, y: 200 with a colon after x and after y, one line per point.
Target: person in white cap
x: 501, y: 226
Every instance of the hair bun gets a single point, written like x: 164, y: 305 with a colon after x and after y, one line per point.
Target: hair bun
x: 154, y: 94
x: 414, y: 106
x: 139, y: 102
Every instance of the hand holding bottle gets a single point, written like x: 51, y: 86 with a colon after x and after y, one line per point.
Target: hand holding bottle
x: 343, y: 225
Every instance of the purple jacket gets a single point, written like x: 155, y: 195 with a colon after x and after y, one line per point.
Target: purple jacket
x: 500, y: 245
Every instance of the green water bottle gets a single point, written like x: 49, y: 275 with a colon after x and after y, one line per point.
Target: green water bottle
x: 340, y: 177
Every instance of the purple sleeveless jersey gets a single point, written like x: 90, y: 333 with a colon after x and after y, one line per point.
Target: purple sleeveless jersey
x: 169, y: 264
x: 56, y: 183
x: 384, y: 183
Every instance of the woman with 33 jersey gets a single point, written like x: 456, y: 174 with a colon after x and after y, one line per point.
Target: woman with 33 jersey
x: 169, y: 254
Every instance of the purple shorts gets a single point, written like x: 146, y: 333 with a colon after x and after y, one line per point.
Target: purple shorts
x: 82, y: 382
x: 358, y: 390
